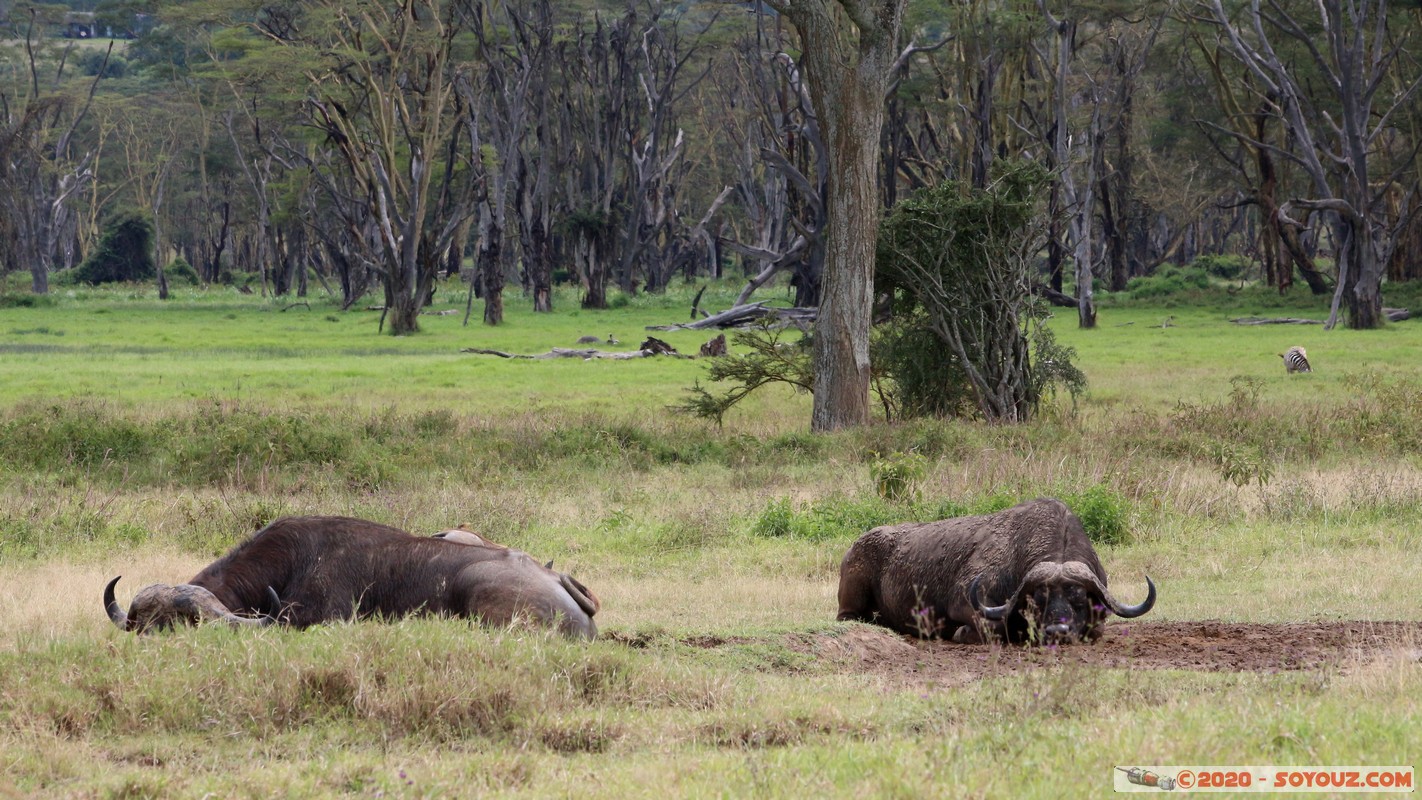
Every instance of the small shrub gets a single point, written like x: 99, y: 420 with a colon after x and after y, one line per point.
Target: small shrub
x: 777, y: 521
x: 124, y: 253
x: 770, y: 360
x: 1241, y: 466
x: 1166, y: 281
x: 897, y: 475
x: 180, y: 270
x: 1228, y: 267
x: 1104, y: 513
x: 833, y: 518
x: 1383, y: 414
x: 27, y: 301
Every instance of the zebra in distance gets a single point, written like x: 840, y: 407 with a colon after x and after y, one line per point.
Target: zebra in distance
x: 1295, y: 360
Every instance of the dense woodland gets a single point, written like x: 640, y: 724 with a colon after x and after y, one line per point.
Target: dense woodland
x: 373, y: 147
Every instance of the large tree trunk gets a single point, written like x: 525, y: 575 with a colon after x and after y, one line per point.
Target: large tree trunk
x: 841, y: 355
x: 491, y: 272
x: 1358, y: 274
x: 847, y: 94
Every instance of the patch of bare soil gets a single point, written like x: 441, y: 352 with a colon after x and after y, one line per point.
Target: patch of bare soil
x: 1197, y: 646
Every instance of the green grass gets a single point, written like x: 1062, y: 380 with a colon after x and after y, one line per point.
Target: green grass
x: 137, y: 351
x: 432, y: 709
x: 145, y: 438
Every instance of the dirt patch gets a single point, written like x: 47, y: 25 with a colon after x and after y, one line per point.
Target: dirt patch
x: 1197, y: 646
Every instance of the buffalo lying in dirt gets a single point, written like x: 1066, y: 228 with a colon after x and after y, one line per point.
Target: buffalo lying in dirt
x: 924, y: 578
x: 303, y: 571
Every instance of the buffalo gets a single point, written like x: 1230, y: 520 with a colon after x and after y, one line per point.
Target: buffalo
x: 303, y: 571
x: 928, y: 579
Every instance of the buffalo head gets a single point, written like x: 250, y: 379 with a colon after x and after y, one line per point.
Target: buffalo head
x: 1056, y: 603
x: 162, y: 606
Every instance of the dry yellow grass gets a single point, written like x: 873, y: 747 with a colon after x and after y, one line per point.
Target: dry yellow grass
x: 58, y: 600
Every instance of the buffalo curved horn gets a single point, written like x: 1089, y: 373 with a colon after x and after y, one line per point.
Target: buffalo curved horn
x: 116, y: 613
x: 1130, y: 612
x: 263, y: 621
x: 989, y: 612
x: 275, y: 600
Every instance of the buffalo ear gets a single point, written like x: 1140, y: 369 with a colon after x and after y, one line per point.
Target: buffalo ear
x: 549, y: 565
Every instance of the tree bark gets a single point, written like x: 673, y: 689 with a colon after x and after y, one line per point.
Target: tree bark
x: 847, y: 85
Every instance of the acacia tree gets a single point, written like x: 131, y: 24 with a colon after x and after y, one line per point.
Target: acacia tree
x: 782, y: 173
x: 1334, y: 125
x: 41, y: 165
x: 1078, y: 193
x: 384, y: 97
x: 535, y: 151
x: 849, y: 51
x: 377, y: 81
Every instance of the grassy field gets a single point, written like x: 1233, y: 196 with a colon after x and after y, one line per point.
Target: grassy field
x: 144, y: 438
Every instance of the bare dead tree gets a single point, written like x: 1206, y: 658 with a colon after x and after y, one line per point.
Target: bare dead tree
x: 43, y: 169
x: 594, y: 101
x: 1334, y: 126
x: 536, y: 154
x: 501, y: 125
x: 1078, y: 192
x: 656, y: 149
x: 783, y: 176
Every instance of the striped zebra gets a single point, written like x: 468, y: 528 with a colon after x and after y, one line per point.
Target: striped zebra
x: 1295, y: 360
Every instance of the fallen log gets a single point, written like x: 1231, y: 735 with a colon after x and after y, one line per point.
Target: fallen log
x: 1275, y: 321
x: 743, y: 315
x: 1392, y: 314
x: 1053, y: 296
x: 569, y: 352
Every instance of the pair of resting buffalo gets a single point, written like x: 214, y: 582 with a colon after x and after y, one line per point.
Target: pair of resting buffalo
x: 304, y: 571
x: 929, y: 579
x: 924, y: 579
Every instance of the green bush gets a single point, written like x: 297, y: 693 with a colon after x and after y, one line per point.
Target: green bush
x: 897, y: 475
x: 26, y: 301
x: 955, y: 263
x: 927, y: 378
x: 180, y: 270
x: 1228, y: 267
x: 124, y: 252
x: 93, y: 61
x: 832, y: 518
x: 1169, y: 279
x: 1104, y: 513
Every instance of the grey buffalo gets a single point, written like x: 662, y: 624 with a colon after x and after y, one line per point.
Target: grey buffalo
x: 1027, y: 574
x: 303, y: 571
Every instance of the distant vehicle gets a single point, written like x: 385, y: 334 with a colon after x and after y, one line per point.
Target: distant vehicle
x: 80, y: 25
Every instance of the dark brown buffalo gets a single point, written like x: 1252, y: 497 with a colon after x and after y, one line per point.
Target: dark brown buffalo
x: 329, y: 568
x: 923, y: 578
